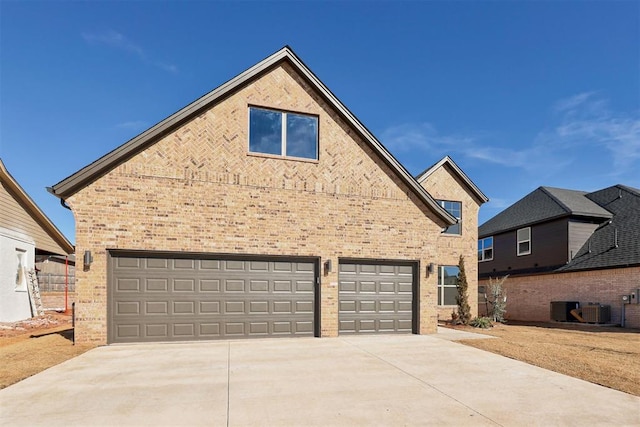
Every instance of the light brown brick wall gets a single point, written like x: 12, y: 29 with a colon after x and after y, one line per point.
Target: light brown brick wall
x: 529, y: 298
x: 443, y: 184
x: 198, y: 190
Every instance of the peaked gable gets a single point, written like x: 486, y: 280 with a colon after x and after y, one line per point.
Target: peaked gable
x: 32, y: 220
x: 448, y: 161
x: 100, y: 167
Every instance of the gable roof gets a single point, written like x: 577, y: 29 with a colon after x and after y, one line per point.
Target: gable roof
x: 448, y: 161
x: 18, y: 193
x: 103, y: 165
x: 614, y: 243
x: 543, y: 204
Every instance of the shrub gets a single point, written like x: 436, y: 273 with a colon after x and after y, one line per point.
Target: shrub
x: 481, y: 322
x: 497, y: 298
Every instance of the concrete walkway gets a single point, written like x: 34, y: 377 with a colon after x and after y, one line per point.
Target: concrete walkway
x: 348, y: 381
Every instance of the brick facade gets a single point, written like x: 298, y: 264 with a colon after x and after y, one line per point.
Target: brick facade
x: 197, y: 189
x: 529, y: 297
x: 444, y: 184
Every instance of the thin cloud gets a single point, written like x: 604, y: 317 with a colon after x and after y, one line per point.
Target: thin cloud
x: 581, y: 124
x: 116, y: 40
x: 132, y: 125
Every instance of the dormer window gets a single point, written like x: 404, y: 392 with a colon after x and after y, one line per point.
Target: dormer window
x: 284, y: 134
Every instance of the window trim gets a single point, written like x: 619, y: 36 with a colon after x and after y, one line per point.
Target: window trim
x: 481, y: 251
x: 283, y: 135
x: 442, y: 202
x: 442, y: 286
x: 518, y: 241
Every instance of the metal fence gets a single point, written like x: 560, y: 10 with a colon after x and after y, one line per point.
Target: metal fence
x: 55, y: 282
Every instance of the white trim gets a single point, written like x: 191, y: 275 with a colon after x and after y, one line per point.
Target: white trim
x: 518, y: 241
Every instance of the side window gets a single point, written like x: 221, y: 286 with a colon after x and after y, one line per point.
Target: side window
x: 524, y: 241
x: 485, y: 249
x: 281, y: 133
x: 455, y: 209
x: 448, y: 284
x: 21, y: 271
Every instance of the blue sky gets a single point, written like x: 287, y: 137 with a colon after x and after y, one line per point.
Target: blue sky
x: 519, y: 94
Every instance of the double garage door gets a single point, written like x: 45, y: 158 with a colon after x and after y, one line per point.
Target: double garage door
x: 169, y: 297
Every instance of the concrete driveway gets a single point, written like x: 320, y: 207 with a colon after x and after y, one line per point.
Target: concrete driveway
x: 362, y: 380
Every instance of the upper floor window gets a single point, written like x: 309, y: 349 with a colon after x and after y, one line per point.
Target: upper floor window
x: 485, y: 249
x: 455, y: 209
x: 524, y: 241
x: 283, y: 133
x: 448, y: 284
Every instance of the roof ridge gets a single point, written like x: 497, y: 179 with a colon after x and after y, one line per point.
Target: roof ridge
x: 555, y: 199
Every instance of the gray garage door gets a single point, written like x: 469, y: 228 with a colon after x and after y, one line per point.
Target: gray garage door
x: 375, y: 298
x: 175, y: 299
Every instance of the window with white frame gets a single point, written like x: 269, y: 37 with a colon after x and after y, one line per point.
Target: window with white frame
x: 448, y: 284
x: 485, y: 249
x: 455, y: 209
x: 282, y: 133
x: 524, y: 241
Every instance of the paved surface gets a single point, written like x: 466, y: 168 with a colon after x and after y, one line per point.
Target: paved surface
x: 373, y: 380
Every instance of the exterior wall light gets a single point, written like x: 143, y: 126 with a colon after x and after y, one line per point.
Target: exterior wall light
x: 87, y: 260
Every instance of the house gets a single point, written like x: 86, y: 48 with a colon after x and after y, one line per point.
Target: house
x: 263, y: 209
x: 25, y: 234
x: 566, y: 245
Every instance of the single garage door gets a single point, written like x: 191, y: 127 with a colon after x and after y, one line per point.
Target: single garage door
x: 376, y: 297
x: 172, y: 298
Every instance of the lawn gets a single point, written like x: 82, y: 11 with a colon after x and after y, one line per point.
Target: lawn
x: 609, y: 356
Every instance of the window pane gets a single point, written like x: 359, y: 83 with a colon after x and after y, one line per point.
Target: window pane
x: 449, y: 275
x: 265, y: 131
x: 523, y: 247
x: 302, y: 136
x: 488, y: 253
x: 450, y: 296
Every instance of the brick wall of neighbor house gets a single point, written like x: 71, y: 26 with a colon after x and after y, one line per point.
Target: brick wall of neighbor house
x: 198, y: 190
x: 442, y: 184
x: 528, y: 297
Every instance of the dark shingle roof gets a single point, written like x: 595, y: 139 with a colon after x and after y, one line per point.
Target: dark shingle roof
x: 543, y: 204
x: 600, y: 250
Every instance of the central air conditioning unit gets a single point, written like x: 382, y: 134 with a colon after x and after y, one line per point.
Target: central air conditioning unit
x: 561, y: 310
x: 596, y: 313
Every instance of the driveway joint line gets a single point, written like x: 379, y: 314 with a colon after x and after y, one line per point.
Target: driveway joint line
x: 228, y: 383
x: 421, y: 381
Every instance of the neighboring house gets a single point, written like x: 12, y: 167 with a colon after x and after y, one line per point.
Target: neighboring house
x: 264, y: 208
x: 454, y: 191
x: 565, y: 245
x: 25, y: 234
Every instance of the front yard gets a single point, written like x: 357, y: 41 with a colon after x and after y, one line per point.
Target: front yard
x: 609, y: 356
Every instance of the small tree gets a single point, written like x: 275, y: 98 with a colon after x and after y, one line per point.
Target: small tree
x: 497, y: 299
x: 462, y: 299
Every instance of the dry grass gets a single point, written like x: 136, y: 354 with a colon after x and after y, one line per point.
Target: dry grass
x: 34, y: 345
x: 608, y: 356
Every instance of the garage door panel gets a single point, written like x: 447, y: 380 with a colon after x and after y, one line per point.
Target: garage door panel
x: 128, y: 285
x: 156, y: 285
x: 163, y: 299
x: 209, y: 285
x: 375, y: 298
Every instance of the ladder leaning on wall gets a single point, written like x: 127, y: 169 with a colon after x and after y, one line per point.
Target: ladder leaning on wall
x: 34, y: 294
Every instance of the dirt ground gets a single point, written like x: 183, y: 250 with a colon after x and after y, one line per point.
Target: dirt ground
x: 608, y: 356
x: 33, y: 345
